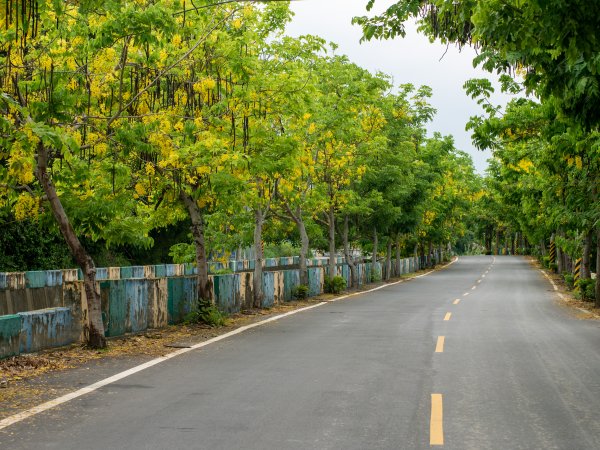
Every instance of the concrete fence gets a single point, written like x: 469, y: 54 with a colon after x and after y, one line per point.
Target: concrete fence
x: 47, y: 309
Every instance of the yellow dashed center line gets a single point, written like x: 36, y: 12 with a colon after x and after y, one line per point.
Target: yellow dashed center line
x: 457, y: 301
x: 436, y: 426
x: 439, y: 348
x: 447, y: 316
x: 483, y: 276
x: 465, y: 294
x: 473, y: 288
x: 478, y: 281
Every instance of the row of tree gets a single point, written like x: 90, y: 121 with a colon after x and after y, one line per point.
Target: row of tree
x: 545, y: 175
x: 121, y: 117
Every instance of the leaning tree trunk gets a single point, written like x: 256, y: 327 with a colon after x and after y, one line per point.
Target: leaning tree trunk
x: 332, y: 258
x: 586, y: 271
x: 203, y: 288
x: 388, y: 260
x: 349, y: 258
x: 375, y: 251
x: 95, y: 326
x: 257, y: 282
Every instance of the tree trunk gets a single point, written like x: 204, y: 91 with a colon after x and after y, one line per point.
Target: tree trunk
x: 388, y: 261
x: 497, y: 241
x: 257, y: 282
x: 303, y: 251
x: 417, y: 257
x: 585, y: 258
x: 597, y: 268
x: 560, y: 261
x: 374, y: 255
x: 332, y: 256
x: 430, y: 254
x: 203, y: 288
x: 542, y: 248
x: 304, y: 242
x: 95, y: 326
x: 349, y: 258
x: 398, y: 256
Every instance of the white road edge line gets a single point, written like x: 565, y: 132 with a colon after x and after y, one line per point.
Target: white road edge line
x: 11, y: 420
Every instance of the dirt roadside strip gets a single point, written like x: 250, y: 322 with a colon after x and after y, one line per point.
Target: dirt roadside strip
x: 582, y: 310
x: 28, y: 381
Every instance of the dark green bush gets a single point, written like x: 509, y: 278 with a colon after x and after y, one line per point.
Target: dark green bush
x: 587, y: 288
x: 300, y: 292
x: 207, y: 313
x: 335, y: 285
x: 545, y: 261
x: 569, y: 279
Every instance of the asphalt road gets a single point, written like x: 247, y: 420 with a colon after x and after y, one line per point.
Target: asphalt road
x: 514, y: 370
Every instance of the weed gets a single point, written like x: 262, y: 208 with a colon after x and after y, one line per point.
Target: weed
x: 300, y: 292
x: 207, y: 313
x: 586, y: 287
x: 569, y: 279
x: 335, y: 285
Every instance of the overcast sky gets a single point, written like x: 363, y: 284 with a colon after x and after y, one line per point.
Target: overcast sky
x: 412, y: 59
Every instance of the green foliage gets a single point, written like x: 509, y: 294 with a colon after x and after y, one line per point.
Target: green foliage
x: 183, y: 253
x: 376, y: 273
x: 283, y: 249
x: 300, y: 292
x: 206, y: 313
x: 31, y: 245
x: 569, y: 279
x: 586, y: 287
x: 335, y: 285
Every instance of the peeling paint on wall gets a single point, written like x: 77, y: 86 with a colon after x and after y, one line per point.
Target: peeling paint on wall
x: 54, y: 304
x: 10, y: 329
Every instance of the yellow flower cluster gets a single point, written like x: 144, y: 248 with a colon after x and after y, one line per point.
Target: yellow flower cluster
x: 20, y: 166
x: 26, y: 207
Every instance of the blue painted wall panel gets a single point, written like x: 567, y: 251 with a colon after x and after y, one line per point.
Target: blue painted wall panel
x: 126, y: 272
x: 35, y: 279
x: 3, y: 284
x: 136, y: 292
x: 160, y: 270
x: 268, y: 289
x: 52, y: 327
x: 314, y: 281
x: 291, y: 279
x: 169, y: 270
x: 181, y: 292
x: 227, y: 293
x: 101, y: 274
x: 54, y: 278
x: 117, y: 306
x: 10, y: 330
x: 190, y: 269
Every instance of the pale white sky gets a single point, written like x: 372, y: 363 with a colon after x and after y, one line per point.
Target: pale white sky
x: 410, y: 60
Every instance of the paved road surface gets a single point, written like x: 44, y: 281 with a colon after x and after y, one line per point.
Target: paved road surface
x: 514, y: 370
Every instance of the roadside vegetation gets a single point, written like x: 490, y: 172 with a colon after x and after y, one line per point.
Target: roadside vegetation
x: 135, y: 130
x: 541, y: 191
x: 124, y: 123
